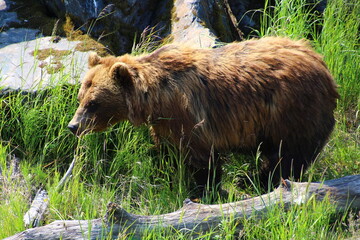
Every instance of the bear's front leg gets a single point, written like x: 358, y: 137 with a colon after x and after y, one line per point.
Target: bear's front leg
x: 206, y: 171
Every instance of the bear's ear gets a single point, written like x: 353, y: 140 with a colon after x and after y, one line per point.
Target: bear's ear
x: 121, y: 73
x: 93, y: 60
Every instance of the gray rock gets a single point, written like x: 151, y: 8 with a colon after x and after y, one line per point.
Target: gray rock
x: 8, y: 17
x: 4, y: 4
x: 20, y: 69
x: 190, y: 27
x: 10, y: 35
x: 115, y: 23
x: 55, y: 7
x: 81, y: 10
x: 16, y: 35
x: 201, y: 23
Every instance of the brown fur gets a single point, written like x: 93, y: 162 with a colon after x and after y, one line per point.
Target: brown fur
x: 270, y: 92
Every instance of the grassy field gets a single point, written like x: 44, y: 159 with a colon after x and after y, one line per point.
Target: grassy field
x: 120, y: 165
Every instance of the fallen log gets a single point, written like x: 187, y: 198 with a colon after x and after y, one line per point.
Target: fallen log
x: 344, y: 193
x: 39, y: 205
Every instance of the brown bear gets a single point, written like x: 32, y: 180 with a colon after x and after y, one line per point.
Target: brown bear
x: 272, y: 94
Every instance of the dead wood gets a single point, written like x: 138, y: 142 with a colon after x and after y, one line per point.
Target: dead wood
x: 34, y: 216
x: 39, y: 205
x: 238, y: 35
x: 67, y: 175
x: 344, y: 193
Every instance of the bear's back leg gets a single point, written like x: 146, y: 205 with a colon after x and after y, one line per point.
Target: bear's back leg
x: 286, y: 163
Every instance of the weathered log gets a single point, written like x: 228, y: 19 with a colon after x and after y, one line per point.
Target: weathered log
x: 39, y: 205
x: 66, y: 176
x: 34, y: 216
x: 344, y: 193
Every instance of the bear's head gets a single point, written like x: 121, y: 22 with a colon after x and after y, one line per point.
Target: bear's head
x: 102, y: 95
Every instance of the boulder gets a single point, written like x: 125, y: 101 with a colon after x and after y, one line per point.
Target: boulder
x: 40, y: 63
x: 116, y: 24
x: 8, y: 19
x: 119, y: 23
x: 16, y: 35
x: 203, y: 23
x: 29, y: 62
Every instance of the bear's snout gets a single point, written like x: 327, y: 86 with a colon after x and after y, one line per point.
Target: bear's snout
x: 73, y: 128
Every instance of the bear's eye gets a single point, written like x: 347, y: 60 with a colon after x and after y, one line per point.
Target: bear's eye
x: 92, y: 106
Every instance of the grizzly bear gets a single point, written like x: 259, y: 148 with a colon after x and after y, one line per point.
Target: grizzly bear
x: 272, y: 94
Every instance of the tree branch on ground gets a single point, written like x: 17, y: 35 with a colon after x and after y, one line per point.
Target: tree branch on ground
x: 193, y: 217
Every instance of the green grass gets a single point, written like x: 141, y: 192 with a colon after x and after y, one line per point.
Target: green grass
x: 121, y: 164
x: 306, y: 221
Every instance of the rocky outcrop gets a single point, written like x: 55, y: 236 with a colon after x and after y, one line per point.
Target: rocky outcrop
x: 8, y: 19
x: 202, y: 23
x: 40, y: 63
x: 114, y: 23
x: 29, y: 61
x: 118, y: 24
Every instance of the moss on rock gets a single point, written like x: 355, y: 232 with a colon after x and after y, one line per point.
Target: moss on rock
x: 86, y: 42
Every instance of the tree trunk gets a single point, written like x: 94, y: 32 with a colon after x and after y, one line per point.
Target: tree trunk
x: 343, y: 192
